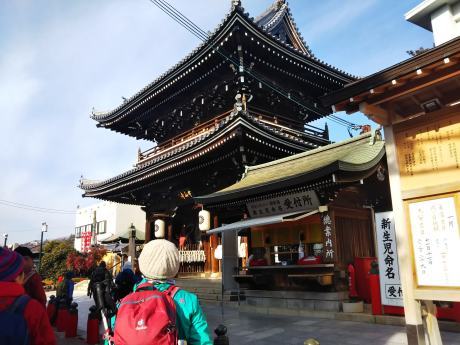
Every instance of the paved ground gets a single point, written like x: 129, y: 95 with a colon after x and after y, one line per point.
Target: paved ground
x: 256, y: 329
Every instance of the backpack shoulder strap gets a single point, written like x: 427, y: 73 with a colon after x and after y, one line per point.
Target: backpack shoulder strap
x: 18, y: 307
x: 145, y: 287
x: 19, y: 304
x: 172, y: 290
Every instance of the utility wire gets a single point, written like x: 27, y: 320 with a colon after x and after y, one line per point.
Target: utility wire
x: 183, y: 20
x: 180, y: 18
x: 34, y: 208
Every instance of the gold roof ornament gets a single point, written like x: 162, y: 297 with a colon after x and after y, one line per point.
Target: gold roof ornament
x: 311, y: 341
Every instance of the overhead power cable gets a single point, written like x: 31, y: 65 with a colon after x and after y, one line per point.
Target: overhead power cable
x: 181, y: 19
x: 202, y: 35
x: 34, y: 208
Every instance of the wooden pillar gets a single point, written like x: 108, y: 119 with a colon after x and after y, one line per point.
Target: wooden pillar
x: 148, y: 231
x: 214, y: 240
x: 207, y: 252
x: 412, y: 307
x: 170, y: 232
x: 132, y: 244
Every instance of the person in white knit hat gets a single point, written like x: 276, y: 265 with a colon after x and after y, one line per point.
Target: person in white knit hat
x: 159, y: 260
x: 159, y: 264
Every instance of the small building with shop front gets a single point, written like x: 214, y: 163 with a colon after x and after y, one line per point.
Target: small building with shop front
x: 111, y: 219
x: 304, y: 219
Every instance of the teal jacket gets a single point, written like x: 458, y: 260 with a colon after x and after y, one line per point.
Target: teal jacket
x: 192, y: 323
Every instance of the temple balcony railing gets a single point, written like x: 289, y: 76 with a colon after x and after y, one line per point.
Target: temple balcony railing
x: 279, y: 123
x: 289, y: 126
x: 181, y: 139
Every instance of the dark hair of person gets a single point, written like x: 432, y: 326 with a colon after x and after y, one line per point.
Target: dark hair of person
x: 24, y: 251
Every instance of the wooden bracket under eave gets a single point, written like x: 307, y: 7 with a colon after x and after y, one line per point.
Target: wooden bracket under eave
x: 375, y: 113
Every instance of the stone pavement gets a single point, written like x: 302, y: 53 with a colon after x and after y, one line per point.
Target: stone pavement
x: 257, y: 329
x: 61, y: 340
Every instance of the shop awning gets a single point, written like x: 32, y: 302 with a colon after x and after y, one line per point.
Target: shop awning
x: 250, y: 222
x: 115, y: 247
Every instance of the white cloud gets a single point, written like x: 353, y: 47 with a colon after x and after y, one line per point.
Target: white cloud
x: 335, y: 15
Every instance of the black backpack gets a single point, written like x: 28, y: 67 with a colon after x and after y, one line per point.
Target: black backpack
x: 99, y: 275
x: 14, y: 329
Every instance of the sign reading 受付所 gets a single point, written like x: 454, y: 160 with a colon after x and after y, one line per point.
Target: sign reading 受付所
x: 303, y: 201
x: 390, y: 283
x: 436, y: 242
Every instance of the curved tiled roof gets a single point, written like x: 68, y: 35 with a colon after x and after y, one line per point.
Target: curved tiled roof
x: 298, y: 140
x: 169, y: 77
x: 353, y: 155
x: 274, y: 15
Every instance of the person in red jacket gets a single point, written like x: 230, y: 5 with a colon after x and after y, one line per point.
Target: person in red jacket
x: 11, y: 280
x: 32, y: 281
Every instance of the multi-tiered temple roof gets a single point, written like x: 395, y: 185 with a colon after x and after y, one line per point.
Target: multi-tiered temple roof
x: 202, y: 130
x: 204, y: 83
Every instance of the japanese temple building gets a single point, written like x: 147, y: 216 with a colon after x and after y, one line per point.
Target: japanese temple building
x: 243, y: 97
x: 308, y: 216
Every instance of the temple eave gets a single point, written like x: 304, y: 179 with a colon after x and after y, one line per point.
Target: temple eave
x: 193, y: 153
x: 178, y: 72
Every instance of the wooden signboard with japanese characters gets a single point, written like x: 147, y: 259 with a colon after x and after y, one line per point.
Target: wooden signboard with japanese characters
x: 429, y: 155
x: 302, y: 201
x: 429, y: 163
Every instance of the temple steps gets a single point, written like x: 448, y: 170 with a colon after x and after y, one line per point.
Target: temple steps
x: 208, y: 290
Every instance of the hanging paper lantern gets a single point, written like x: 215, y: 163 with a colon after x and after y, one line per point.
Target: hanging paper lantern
x: 218, y: 252
x: 159, y: 228
x: 204, y: 220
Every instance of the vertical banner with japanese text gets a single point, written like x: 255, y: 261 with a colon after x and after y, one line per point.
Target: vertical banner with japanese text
x: 390, y: 283
x: 85, y: 241
x: 328, y: 238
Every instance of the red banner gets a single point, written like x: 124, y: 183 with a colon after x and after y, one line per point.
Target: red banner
x: 85, y: 241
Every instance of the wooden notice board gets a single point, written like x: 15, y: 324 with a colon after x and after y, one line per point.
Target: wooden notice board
x: 429, y: 155
x: 436, y: 240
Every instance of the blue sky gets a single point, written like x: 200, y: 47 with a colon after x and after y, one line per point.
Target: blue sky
x: 61, y: 58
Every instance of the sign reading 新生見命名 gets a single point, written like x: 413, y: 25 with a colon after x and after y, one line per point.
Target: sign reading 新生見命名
x: 390, y: 283
x: 436, y: 242
x: 283, y: 204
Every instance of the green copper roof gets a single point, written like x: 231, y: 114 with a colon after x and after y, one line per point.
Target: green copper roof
x: 353, y: 155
